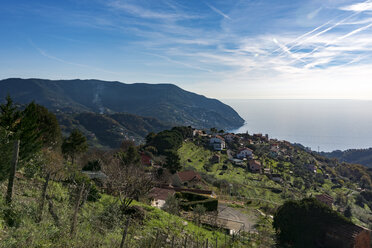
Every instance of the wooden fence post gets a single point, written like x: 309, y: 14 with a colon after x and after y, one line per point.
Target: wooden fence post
x: 207, y: 244
x: 76, y: 210
x: 9, y: 193
x: 124, y: 233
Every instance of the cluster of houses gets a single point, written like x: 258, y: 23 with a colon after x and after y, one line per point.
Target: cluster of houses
x: 244, y: 156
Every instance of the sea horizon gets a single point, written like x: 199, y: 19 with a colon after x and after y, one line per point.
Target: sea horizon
x: 320, y: 124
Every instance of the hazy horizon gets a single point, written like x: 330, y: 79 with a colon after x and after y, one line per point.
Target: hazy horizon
x: 325, y: 124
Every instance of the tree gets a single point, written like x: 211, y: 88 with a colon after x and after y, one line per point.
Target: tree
x: 198, y: 212
x: 24, y: 130
x: 167, y: 140
x: 129, y: 155
x: 47, y: 125
x: 128, y: 181
x: 75, y: 144
x: 186, y: 132
x: 347, y: 212
x: 10, y: 116
x: 173, y: 162
x: 304, y: 223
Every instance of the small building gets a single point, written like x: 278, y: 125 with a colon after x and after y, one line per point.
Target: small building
x: 267, y: 171
x: 245, y: 153
x: 255, y: 166
x: 326, y: 199
x: 238, y: 162
x: 98, y: 177
x: 275, y: 148
x: 197, y: 133
x: 218, y: 143
x: 276, y: 178
x: 186, y: 178
x: 215, y: 159
x: 158, y: 196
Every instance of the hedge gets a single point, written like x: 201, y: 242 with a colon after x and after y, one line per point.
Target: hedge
x: 210, y: 204
x: 190, y: 196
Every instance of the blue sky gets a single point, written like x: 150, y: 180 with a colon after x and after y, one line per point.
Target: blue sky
x: 306, y: 49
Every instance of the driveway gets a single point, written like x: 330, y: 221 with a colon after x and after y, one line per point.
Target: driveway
x: 235, y: 218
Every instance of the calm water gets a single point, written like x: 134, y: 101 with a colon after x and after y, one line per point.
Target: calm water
x: 327, y: 124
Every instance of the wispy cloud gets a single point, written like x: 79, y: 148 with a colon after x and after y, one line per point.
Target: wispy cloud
x: 218, y: 11
x: 49, y: 56
x: 148, y: 13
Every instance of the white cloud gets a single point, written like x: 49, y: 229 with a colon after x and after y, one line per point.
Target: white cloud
x: 359, y: 7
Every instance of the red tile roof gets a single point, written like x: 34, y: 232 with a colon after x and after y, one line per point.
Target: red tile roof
x: 245, y: 148
x: 160, y: 193
x: 187, y: 176
x: 327, y: 199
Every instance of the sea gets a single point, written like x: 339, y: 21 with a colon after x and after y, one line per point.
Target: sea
x: 322, y: 125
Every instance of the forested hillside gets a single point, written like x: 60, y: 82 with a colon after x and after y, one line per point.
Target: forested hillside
x: 165, y: 102
x: 356, y: 156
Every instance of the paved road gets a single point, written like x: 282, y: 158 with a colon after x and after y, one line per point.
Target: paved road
x: 235, y: 218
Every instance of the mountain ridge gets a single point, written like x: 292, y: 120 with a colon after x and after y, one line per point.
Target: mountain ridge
x: 166, y: 102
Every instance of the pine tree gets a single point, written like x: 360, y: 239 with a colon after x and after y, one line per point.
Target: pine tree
x: 75, y: 144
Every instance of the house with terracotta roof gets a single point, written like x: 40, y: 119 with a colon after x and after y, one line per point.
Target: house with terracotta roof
x: 218, y: 143
x: 159, y: 196
x: 347, y: 235
x: 245, y: 153
x: 255, y: 166
x: 186, y: 178
x: 326, y: 199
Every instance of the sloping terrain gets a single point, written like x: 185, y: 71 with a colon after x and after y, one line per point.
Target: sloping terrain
x: 166, y: 102
x: 356, y: 156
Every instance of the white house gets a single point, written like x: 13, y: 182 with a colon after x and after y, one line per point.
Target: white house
x: 245, y: 153
x: 218, y: 143
x: 158, y: 196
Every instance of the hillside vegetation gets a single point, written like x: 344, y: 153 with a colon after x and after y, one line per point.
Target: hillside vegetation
x: 355, y: 156
x: 109, y: 130
x: 165, y: 102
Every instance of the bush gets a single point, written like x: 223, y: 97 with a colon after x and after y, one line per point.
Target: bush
x: 11, y: 217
